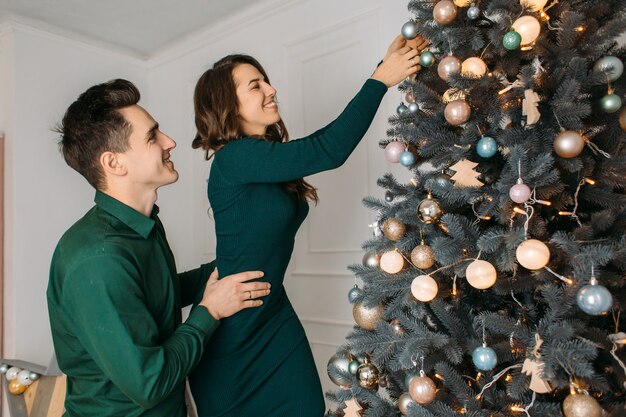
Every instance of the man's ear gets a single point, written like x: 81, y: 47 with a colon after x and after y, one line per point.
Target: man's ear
x: 111, y: 164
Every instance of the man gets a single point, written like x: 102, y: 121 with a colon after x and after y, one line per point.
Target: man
x: 114, y: 297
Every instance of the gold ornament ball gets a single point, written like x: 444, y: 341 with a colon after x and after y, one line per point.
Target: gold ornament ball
x: 429, y: 211
x: 423, y: 256
x: 473, y: 67
x: 481, y: 274
x: 392, y: 262
x: 367, y: 375
x: 397, y: 328
x: 367, y: 317
x: 371, y: 260
x: 622, y: 119
x: 444, y: 12
x: 424, y: 288
x: 533, y: 254
x: 393, y: 229
x: 529, y: 27
x: 15, y: 388
x: 568, y: 144
x: 462, y: 3
x: 422, y: 390
x: 342, y: 365
x: 448, y: 67
x: 457, y: 112
x: 581, y: 405
x: 404, y: 402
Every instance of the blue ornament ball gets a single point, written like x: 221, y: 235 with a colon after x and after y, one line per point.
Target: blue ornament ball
x: 612, y: 66
x: 354, y: 294
x: 611, y: 103
x: 594, y: 299
x: 413, y: 108
x: 442, y: 180
x: 484, y: 358
x: 401, y: 109
x: 473, y: 12
x: 427, y: 59
x: 409, y: 30
x: 407, y: 158
x: 353, y: 366
x: 486, y: 147
x: 408, y: 378
x: 512, y: 40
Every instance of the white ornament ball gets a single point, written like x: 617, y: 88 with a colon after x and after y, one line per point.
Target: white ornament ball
x: 424, y: 288
x: 533, y: 254
x: 481, y: 274
x: 391, y: 262
x: 529, y: 27
x: 12, y: 373
x: 23, y: 378
x: 473, y: 67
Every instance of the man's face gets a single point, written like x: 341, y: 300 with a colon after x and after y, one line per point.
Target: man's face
x: 148, y: 158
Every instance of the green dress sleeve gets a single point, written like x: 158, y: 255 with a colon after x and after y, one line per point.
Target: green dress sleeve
x: 250, y: 160
x: 193, y: 282
x: 118, y: 331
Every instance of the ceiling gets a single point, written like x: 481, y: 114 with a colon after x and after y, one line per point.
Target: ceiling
x: 141, y: 26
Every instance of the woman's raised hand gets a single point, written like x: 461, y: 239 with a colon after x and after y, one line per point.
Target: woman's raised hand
x: 401, y: 60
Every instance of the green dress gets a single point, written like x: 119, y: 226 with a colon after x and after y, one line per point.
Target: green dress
x: 258, y: 362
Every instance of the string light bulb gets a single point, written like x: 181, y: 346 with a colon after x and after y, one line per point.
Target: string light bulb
x: 544, y: 202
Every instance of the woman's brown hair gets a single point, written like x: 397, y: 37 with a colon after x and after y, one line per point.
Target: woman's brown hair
x: 217, y: 121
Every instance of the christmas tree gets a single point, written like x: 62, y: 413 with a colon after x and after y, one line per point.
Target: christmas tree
x: 494, y: 284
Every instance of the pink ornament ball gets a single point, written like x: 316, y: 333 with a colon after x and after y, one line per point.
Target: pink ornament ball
x: 393, y: 151
x: 520, y: 193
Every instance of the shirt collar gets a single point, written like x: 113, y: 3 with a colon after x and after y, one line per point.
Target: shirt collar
x: 130, y: 217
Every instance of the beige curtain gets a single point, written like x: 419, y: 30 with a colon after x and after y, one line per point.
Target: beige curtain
x: 1, y: 242
x: 1, y: 248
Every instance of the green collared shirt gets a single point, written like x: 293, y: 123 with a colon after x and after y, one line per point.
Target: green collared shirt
x: 115, y: 300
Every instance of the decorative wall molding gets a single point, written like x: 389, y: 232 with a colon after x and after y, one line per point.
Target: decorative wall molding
x: 345, y: 43
x: 301, y: 273
x: 327, y: 322
x: 373, y: 13
x: 73, y: 39
x: 204, y: 37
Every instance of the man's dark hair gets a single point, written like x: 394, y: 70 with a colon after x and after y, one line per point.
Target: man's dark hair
x: 93, y: 125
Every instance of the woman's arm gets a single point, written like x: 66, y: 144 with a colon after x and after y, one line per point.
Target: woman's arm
x: 250, y: 160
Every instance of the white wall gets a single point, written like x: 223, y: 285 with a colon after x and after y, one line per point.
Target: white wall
x: 41, y: 75
x: 317, y: 53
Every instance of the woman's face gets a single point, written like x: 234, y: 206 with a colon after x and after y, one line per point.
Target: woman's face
x: 257, y: 109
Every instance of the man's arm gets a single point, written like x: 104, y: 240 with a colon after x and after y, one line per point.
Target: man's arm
x: 192, y: 282
x: 117, y: 329
x: 115, y: 325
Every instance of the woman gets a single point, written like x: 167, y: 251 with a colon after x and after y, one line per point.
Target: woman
x: 258, y: 362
